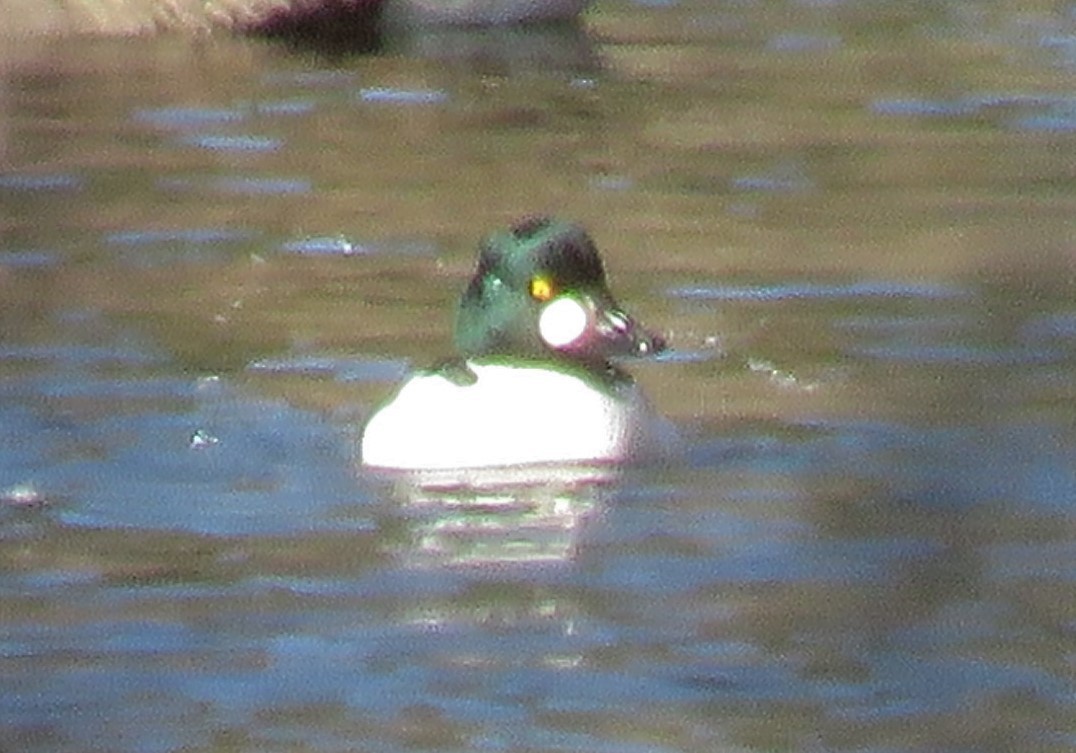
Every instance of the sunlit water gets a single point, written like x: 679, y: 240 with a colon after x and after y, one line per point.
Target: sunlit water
x: 853, y: 220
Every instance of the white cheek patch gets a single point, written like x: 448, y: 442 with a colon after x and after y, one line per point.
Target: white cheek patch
x: 562, y: 322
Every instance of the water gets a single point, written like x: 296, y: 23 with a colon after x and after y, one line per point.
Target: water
x: 854, y: 222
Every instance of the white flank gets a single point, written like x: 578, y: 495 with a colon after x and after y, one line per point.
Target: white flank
x: 510, y: 416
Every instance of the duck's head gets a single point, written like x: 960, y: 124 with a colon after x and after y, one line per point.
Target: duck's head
x: 539, y: 293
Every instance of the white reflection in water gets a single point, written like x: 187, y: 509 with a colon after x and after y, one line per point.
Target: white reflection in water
x: 494, y: 516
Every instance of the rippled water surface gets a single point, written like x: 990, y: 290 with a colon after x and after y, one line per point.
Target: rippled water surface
x: 854, y: 220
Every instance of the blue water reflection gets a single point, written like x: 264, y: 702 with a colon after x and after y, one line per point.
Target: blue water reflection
x: 37, y: 182
x: 73, y: 433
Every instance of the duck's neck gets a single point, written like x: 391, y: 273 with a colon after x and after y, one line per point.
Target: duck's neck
x: 604, y: 374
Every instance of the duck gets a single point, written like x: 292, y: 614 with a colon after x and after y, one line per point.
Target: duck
x: 537, y: 375
x: 336, y: 19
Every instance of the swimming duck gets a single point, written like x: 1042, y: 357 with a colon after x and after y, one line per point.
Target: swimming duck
x: 534, y: 380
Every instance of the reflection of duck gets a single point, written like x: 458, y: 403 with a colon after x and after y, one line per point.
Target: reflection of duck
x: 481, y: 522
x: 533, y: 382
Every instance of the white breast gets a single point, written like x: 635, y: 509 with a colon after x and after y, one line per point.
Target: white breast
x: 509, y: 416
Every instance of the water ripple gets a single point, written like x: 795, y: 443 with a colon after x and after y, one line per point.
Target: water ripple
x: 804, y: 42
x: 309, y: 79
x: 341, y: 369
x: 920, y: 107
x: 338, y: 245
x: 188, y: 117
x: 240, y: 184
x: 286, y: 107
x: 1060, y: 326
x: 28, y: 259
x: 957, y: 354
x: 1022, y: 112
x: 815, y: 291
x: 232, y: 143
x: 40, y: 182
x: 389, y: 95
x: 184, y: 236
x: 782, y: 178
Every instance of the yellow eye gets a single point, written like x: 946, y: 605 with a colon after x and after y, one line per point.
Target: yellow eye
x: 541, y: 288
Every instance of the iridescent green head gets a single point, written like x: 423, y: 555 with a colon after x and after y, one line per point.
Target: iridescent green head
x: 539, y: 293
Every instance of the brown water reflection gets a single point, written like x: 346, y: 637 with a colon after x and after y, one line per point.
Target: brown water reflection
x: 854, y: 221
